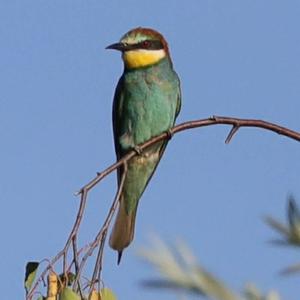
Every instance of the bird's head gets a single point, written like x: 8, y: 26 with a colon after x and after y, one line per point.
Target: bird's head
x: 141, y: 47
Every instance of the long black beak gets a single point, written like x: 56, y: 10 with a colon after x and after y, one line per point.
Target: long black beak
x: 118, y: 46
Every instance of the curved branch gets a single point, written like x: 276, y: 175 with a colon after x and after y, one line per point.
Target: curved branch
x: 214, y: 120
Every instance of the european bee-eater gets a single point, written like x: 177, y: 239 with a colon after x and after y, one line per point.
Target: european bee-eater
x: 146, y: 103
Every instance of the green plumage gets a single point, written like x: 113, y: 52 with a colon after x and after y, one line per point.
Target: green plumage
x: 146, y: 104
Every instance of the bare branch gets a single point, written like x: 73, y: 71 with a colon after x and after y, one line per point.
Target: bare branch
x: 101, y: 236
x: 236, y: 124
x: 214, y: 120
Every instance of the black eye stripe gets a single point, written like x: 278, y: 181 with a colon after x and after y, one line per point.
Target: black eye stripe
x: 147, y: 44
x: 151, y: 45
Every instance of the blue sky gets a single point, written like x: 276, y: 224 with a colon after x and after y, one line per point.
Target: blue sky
x: 234, y: 58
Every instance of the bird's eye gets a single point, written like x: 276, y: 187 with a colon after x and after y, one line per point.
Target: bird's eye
x: 146, y: 44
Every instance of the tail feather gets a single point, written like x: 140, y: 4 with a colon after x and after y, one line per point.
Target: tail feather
x: 123, y: 230
x: 119, y: 257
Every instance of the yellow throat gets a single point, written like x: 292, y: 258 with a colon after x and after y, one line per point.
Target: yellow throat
x: 142, y: 58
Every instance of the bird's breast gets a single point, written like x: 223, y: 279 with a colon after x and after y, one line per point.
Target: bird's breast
x: 149, y: 105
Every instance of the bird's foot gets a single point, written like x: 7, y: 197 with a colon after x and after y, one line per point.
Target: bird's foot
x: 137, y: 150
x: 170, y: 134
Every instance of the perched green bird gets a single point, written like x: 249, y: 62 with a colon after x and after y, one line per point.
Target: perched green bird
x: 146, y: 103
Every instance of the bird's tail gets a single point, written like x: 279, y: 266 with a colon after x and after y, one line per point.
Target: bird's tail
x: 123, y: 230
x: 138, y: 173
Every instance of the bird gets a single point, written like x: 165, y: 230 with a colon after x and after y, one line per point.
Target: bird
x: 146, y: 103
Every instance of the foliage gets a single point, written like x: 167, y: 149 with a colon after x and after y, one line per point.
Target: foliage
x: 290, y: 233
x: 180, y: 271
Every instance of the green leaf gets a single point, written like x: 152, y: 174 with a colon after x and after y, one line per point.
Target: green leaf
x: 30, y: 273
x: 180, y: 270
x: 291, y: 269
x: 294, y: 221
x: 68, y: 294
x: 284, y: 230
x: 104, y: 294
x: 272, y: 295
x: 252, y: 292
x: 107, y: 294
x: 293, y: 212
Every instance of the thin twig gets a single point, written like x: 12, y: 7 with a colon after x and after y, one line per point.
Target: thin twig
x: 76, y: 263
x: 98, y: 265
x: 63, y: 252
x: 100, y: 238
x: 232, y: 132
x: 101, y: 252
x: 75, y: 253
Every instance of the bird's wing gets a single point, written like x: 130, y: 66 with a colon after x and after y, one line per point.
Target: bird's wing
x: 178, y: 107
x: 116, y: 117
x: 177, y: 111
